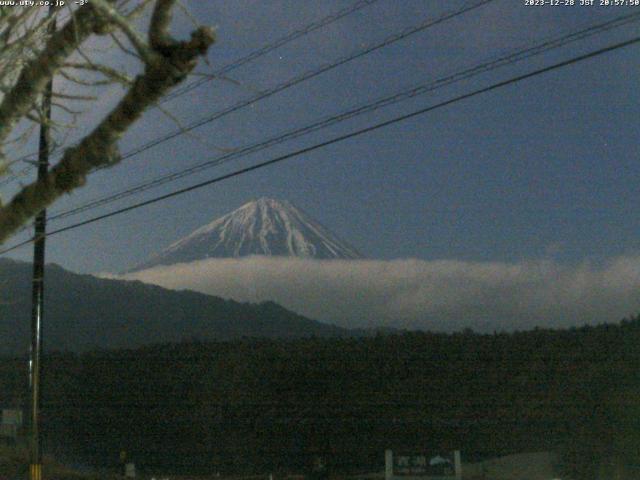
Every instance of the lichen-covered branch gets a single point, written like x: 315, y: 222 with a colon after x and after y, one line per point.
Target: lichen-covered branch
x: 37, y: 72
x: 170, y: 63
x: 159, y: 29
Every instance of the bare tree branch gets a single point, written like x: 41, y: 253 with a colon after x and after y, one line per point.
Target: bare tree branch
x: 104, y: 70
x: 37, y: 72
x: 145, y: 52
x: 167, y: 63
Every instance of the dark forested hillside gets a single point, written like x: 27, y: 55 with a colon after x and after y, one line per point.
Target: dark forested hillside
x: 85, y: 312
x: 257, y: 406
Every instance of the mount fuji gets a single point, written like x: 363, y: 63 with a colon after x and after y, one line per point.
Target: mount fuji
x: 261, y: 227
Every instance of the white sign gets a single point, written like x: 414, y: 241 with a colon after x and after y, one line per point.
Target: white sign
x: 422, y: 465
x: 130, y: 470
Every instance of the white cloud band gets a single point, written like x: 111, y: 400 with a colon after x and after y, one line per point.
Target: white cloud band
x: 438, y: 295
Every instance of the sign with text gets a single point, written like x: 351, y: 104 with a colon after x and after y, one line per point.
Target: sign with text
x: 422, y: 464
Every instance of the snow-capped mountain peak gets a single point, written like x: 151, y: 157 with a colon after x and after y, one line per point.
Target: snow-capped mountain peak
x: 260, y: 227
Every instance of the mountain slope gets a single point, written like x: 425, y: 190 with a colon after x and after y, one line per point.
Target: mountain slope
x: 83, y: 312
x: 260, y: 227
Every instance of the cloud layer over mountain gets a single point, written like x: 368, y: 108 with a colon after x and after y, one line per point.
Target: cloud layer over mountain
x: 439, y: 295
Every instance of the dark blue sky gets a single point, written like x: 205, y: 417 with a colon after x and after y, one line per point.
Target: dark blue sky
x: 546, y: 167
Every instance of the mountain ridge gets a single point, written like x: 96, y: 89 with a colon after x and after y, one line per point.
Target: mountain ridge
x: 84, y: 312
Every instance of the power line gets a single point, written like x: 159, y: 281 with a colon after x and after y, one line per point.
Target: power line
x: 428, y: 23
x: 29, y: 157
x: 14, y: 176
x: 306, y: 76
x: 305, y: 30
x: 271, y: 47
x: 301, y: 78
x: 510, y: 58
x: 338, y: 139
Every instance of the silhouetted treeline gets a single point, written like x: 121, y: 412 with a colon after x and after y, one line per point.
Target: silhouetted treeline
x: 268, y: 405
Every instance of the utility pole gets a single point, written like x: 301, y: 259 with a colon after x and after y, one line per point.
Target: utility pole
x: 37, y: 298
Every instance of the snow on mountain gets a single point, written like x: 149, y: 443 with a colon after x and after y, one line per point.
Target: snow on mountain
x: 261, y: 227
